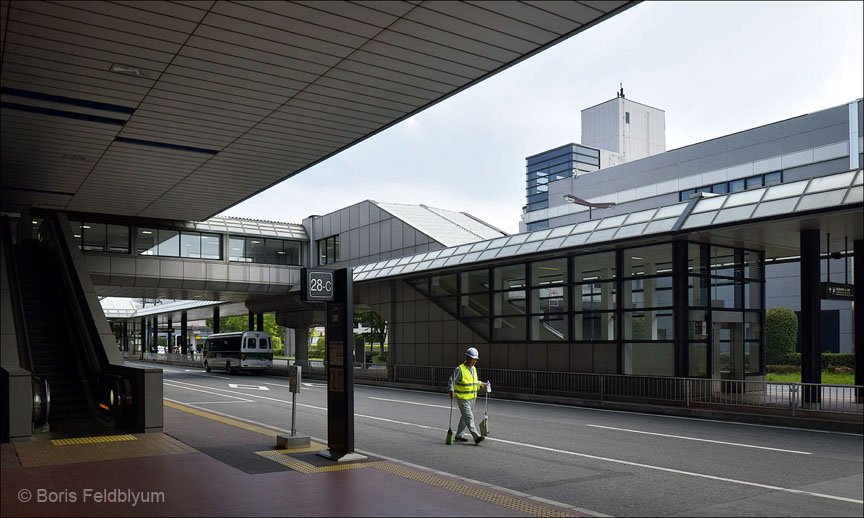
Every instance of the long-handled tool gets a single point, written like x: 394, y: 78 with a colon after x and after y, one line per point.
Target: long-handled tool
x: 449, y: 439
x: 484, y: 424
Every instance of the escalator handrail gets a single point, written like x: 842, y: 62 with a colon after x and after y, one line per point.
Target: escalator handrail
x: 83, y: 324
x: 25, y: 359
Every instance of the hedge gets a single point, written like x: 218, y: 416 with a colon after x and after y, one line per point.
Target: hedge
x: 828, y: 360
x: 781, y: 332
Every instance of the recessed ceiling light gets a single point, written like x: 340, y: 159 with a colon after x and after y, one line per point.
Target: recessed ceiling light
x: 127, y: 70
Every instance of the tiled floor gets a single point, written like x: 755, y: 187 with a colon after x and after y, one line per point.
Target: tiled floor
x: 176, y: 476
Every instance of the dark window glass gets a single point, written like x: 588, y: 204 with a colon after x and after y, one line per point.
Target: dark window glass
x: 250, y: 343
x: 328, y: 250
x: 649, y: 359
x: 737, y: 185
x: 509, y: 303
x: 537, y: 225
x: 594, y: 296
x: 549, y: 328
x: 648, y: 260
x: 509, y: 277
x: 273, y: 251
x: 594, y: 267
x: 685, y: 195
x: 443, y: 285
x: 76, y: 232
x: 594, y: 326
x: 549, y: 272
x: 627, y: 117
x: 475, y: 281
x: 773, y: 178
x: 94, y: 236
x: 649, y: 325
x: 476, y: 305
x: 255, y: 249
x: 292, y: 253
x: 549, y: 300
x: 117, y: 237
x: 754, y: 181
x: 720, y: 188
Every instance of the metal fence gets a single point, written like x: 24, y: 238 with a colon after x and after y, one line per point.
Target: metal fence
x: 781, y: 397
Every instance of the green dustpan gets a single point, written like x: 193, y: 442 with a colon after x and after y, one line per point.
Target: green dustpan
x: 449, y: 439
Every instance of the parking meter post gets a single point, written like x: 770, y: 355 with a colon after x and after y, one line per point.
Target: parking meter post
x: 293, y: 440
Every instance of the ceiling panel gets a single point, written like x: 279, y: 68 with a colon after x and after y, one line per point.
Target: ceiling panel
x: 216, y: 101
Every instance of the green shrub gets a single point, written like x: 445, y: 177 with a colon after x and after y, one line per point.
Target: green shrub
x: 838, y: 360
x: 781, y: 332
x: 791, y: 359
x: 782, y: 369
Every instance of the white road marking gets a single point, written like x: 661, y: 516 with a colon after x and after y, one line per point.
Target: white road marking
x: 576, y: 454
x: 247, y: 387
x: 243, y: 394
x: 171, y: 384
x: 408, y: 402
x: 702, y: 440
x: 215, y: 402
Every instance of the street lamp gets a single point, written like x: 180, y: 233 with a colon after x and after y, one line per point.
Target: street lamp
x: 569, y: 198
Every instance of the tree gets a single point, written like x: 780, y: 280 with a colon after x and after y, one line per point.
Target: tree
x: 377, y: 327
x: 781, y: 333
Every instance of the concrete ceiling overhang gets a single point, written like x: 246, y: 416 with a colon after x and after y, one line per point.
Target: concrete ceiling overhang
x: 217, y: 101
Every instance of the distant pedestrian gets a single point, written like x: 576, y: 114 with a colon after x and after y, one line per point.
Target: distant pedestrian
x: 465, y: 383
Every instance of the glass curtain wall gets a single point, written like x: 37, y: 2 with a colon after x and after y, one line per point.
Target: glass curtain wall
x: 623, y: 298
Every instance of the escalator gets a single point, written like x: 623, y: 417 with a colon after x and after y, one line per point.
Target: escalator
x: 54, y: 353
x: 67, y: 361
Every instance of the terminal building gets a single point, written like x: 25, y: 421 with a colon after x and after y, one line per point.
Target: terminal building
x: 809, y: 146
x: 113, y: 172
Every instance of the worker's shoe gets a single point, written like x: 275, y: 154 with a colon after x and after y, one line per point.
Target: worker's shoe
x: 478, y: 440
x: 461, y: 439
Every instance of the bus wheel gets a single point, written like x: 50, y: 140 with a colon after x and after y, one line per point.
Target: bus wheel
x: 206, y: 367
x: 228, y: 368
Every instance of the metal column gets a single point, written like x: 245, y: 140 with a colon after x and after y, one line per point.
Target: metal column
x: 858, y: 315
x: 811, y: 309
x: 184, y: 332
x: 215, y: 320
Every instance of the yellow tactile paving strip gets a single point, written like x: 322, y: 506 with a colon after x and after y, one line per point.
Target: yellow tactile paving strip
x: 93, y: 440
x: 44, y: 453
x: 284, y: 458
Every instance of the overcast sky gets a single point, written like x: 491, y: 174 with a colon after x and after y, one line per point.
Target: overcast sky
x: 715, y: 68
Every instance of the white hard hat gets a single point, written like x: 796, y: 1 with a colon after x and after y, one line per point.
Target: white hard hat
x: 472, y: 353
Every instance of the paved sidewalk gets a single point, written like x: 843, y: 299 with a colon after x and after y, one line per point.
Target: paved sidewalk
x: 208, y: 465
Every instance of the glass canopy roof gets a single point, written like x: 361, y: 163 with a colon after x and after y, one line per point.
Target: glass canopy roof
x: 704, y: 210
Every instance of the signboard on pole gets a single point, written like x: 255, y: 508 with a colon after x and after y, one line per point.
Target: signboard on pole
x: 317, y: 285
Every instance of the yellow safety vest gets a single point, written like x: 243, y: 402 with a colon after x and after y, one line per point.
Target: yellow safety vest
x: 467, y: 388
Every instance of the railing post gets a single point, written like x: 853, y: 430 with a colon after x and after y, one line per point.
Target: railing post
x: 602, y: 387
x: 686, y: 392
x: 793, y: 390
x: 533, y: 382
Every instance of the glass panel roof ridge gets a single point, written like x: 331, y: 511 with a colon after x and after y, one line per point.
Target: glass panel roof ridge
x: 662, y: 219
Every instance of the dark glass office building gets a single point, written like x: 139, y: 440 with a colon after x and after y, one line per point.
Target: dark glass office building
x: 555, y: 164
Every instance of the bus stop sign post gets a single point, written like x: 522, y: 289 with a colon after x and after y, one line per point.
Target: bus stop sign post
x: 293, y: 441
x: 339, y: 341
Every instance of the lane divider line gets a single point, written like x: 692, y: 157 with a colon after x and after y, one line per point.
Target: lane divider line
x: 701, y: 440
x: 616, y: 461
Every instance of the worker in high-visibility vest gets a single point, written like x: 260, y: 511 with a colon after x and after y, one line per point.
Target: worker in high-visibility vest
x: 464, y: 384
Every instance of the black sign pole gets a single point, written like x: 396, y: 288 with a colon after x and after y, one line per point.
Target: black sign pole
x: 339, y: 340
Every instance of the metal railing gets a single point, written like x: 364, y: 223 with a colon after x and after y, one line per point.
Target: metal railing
x: 774, y: 397
x: 782, y: 397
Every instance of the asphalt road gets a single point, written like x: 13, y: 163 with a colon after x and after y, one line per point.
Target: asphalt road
x: 605, y: 462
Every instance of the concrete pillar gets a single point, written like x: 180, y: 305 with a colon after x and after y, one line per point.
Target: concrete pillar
x: 811, y: 306
x: 301, y: 347
x: 184, y: 332
x: 259, y: 324
x: 144, y: 335
x: 215, y: 320
x: 858, y: 314
x: 251, y: 321
x: 169, y: 336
